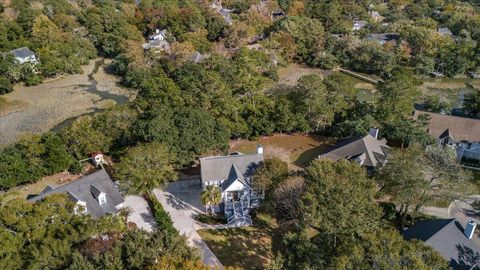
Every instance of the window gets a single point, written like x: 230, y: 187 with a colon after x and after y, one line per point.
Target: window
x: 102, y: 198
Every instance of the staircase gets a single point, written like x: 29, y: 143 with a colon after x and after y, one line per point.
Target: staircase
x: 238, y: 213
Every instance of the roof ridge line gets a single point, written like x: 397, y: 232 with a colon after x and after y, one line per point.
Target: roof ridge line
x: 451, y: 220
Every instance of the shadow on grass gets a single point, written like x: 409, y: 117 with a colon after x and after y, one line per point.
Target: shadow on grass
x: 306, y: 157
x: 247, y: 247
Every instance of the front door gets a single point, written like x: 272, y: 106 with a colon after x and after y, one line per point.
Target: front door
x: 236, y: 196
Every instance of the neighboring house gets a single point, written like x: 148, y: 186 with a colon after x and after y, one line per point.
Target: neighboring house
x: 460, y: 133
x: 368, y: 151
x: 384, y: 37
x: 444, y: 31
x: 157, y: 41
x: 358, y: 25
x: 232, y: 174
x: 224, y: 12
x: 24, y: 55
x: 94, y: 194
x: 376, y: 16
x: 158, y: 35
x: 197, y: 57
x: 450, y: 239
x: 278, y: 14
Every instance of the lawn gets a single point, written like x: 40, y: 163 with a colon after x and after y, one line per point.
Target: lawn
x: 58, y: 179
x: 248, y: 247
x: 296, y: 149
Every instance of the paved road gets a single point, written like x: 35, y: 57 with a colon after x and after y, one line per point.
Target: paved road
x: 181, y: 200
x: 140, y: 213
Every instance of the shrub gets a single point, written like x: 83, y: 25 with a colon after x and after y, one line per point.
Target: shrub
x: 5, y: 85
x: 162, y: 218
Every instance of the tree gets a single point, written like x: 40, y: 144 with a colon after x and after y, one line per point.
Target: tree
x: 388, y: 250
x: 287, y: 201
x: 211, y: 195
x: 270, y: 173
x: 82, y: 138
x: 339, y: 201
x: 5, y: 85
x: 471, y: 104
x: 146, y: 167
x: 414, y: 177
x: 398, y: 95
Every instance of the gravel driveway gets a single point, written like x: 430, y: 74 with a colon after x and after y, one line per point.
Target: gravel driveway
x: 140, y: 213
x: 181, y: 200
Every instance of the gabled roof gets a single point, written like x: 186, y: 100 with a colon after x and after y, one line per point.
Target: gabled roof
x: 460, y: 128
x: 86, y: 189
x: 219, y: 168
x: 234, y: 175
x: 445, y: 31
x: 367, y: 150
x: 447, y: 237
x: 22, y: 53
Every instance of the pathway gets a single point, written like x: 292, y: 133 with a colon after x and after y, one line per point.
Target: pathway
x: 140, y: 213
x: 181, y: 201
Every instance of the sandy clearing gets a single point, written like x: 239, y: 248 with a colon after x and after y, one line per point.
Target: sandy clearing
x: 290, y: 74
x: 39, y: 108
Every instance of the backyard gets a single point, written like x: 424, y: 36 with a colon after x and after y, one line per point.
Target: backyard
x: 295, y: 149
x: 247, y: 247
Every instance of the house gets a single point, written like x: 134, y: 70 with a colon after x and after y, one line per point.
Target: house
x: 358, y: 25
x: 232, y: 174
x: 278, y: 14
x: 197, y: 57
x: 383, y: 38
x: 158, y: 35
x: 375, y: 16
x: 459, y: 133
x: 93, y: 194
x: 444, y: 31
x: 450, y: 239
x: 224, y: 12
x: 368, y: 150
x: 24, y: 55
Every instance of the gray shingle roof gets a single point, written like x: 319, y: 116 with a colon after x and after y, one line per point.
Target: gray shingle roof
x: 384, y: 37
x: 219, y: 168
x: 446, y: 236
x: 234, y: 175
x: 460, y: 128
x: 23, y: 53
x: 366, y: 149
x: 84, y: 188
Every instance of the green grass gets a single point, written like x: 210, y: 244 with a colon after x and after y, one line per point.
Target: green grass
x: 248, y: 247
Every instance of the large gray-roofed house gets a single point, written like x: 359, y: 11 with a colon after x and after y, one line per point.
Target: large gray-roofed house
x: 461, y: 128
x: 96, y: 192
x: 232, y: 174
x: 447, y: 237
x: 367, y: 150
x: 218, y: 168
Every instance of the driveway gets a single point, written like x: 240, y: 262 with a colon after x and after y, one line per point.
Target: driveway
x: 140, y: 213
x: 181, y: 200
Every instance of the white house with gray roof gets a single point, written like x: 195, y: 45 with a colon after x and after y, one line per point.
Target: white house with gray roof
x: 232, y: 174
x: 93, y: 194
x: 24, y: 55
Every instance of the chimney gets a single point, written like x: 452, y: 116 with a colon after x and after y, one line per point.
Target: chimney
x: 470, y: 229
x: 373, y: 132
x: 157, y: 31
x: 259, y: 149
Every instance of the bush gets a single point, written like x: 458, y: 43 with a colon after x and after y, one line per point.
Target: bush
x: 5, y: 85
x: 33, y: 80
x: 162, y: 218
x: 211, y: 219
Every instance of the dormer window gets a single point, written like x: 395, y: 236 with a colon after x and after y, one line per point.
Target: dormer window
x: 99, y: 195
x: 102, y: 198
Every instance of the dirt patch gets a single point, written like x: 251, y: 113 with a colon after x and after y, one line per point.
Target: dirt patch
x: 39, y: 108
x: 290, y: 74
x: 298, y: 150
x: 55, y: 180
